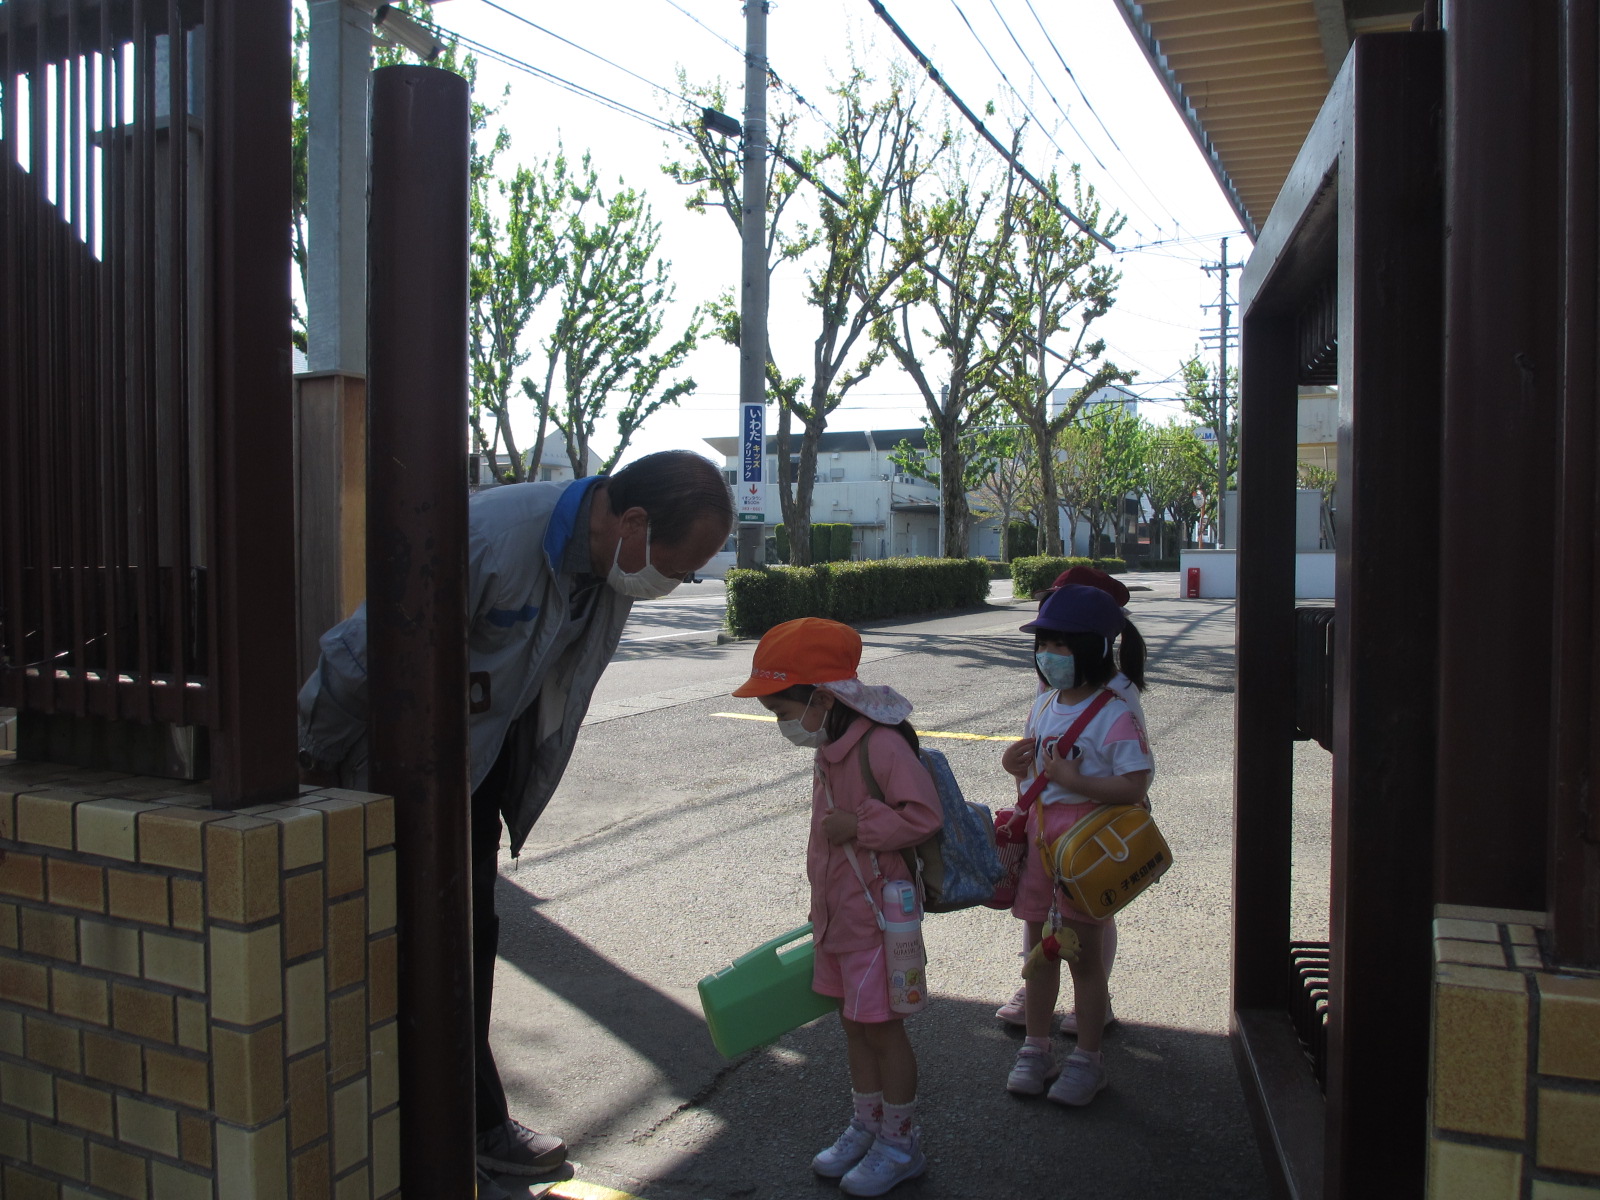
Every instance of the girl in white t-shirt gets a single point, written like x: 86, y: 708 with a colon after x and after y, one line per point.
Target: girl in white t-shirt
x: 1083, y: 746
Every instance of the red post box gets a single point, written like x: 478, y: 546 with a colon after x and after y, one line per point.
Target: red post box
x: 1192, y: 590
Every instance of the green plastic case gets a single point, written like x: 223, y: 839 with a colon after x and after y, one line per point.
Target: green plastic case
x: 763, y: 995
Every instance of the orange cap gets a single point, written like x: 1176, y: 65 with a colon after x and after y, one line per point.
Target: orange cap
x: 808, y: 650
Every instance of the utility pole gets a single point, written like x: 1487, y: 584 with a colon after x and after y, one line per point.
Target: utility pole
x: 752, y: 487
x: 1224, y: 333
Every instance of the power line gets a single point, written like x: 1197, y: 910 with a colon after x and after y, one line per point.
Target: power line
x: 983, y: 130
x: 738, y: 49
x: 516, y: 16
x: 1006, y: 79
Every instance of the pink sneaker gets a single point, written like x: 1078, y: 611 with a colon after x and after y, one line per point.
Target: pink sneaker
x: 1069, y: 1020
x: 1013, y: 1011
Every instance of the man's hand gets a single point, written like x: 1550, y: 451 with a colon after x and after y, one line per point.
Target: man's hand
x: 1018, y: 757
x: 839, y: 826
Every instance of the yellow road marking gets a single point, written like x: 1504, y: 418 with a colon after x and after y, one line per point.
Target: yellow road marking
x: 573, y: 1189
x: 921, y: 733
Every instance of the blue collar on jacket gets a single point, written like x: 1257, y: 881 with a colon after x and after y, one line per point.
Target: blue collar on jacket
x: 560, y: 530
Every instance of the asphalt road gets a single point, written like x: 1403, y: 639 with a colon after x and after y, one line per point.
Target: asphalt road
x: 676, y: 843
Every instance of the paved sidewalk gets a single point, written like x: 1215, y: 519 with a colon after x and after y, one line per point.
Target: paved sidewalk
x: 676, y: 843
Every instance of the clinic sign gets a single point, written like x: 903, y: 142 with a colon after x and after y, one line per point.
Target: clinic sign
x: 752, y: 487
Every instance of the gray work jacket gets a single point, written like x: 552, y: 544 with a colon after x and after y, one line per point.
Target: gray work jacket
x: 518, y: 597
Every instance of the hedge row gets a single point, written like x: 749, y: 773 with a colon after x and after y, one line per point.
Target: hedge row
x: 852, y: 591
x: 1034, y: 574
x: 830, y: 541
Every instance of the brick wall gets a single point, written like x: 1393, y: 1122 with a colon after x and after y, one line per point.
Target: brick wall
x: 1515, y: 1098
x: 194, y: 1003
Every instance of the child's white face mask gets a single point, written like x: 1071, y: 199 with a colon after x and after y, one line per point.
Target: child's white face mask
x: 1059, y: 670
x: 796, y: 732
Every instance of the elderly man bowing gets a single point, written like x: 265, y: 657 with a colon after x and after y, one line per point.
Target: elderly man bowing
x: 553, y: 569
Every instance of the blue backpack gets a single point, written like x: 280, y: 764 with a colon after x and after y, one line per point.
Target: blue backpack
x: 956, y: 867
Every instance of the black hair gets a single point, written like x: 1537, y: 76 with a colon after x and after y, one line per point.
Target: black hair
x: 677, y: 489
x: 840, y: 716
x: 1131, y: 655
x: 1092, y: 659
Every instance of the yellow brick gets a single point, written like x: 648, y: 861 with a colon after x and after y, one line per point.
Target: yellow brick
x: 174, y: 1183
x: 353, y: 1186
x: 251, y: 1165
x: 108, y: 947
x: 178, y: 961
x: 173, y: 837
x: 44, y: 817
x: 1462, y: 1172
x: 1460, y: 950
x: 1569, y: 1027
x: 1476, y: 931
x: 381, y: 892
x: 380, y: 822
x: 347, y: 943
x: 54, y: 1045
x: 195, y: 1135
x: 192, y: 1025
x: 178, y: 1078
x: 304, y: 914
x: 188, y: 907
x: 106, y: 827
x: 11, y: 1033
x: 344, y: 844
x: 347, y: 1035
x: 300, y: 833
x: 113, y: 1060
x: 385, y: 1068
x: 137, y: 896
x: 84, y: 1107
x: 25, y: 1088
x: 147, y: 1126
x: 13, y: 1137
x: 310, y: 1172
x: 308, y: 1099
x: 249, y: 1074
x: 1569, y: 1131
x: 57, y: 1150
x: 1545, y: 1190
x: 242, y: 869
x: 18, y: 1184
x: 77, y: 885
x: 50, y: 934
x: 24, y: 982
x: 383, y: 986
x: 1480, y: 1060
x: 116, y: 1171
x: 350, y: 1125
x: 386, y: 1153
x: 8, y: 926
x: 305, y: 1006
x: 8, y: 812
x: 141, y: 1012
x: 81, y: 997
x: 246, y: 975
x: 22, y: 875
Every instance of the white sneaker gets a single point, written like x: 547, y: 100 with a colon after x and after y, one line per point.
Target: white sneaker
x: 850, y: 1148
x: 885, y: 1166
x: 1069, y: 1020
x: 1014, y: 1010
x: 1080, y: 1082
x: 1033, y: 1069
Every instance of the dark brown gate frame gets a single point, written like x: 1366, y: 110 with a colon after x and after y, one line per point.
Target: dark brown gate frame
x: 1362, y: 206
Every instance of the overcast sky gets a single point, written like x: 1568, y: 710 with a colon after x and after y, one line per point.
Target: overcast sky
x: 1122, y: 129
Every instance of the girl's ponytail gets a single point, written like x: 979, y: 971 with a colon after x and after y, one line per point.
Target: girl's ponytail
x: 1131, y: 657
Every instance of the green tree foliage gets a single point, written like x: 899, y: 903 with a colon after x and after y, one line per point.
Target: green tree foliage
x: 1212, y: 406
x: 1008, y: 482
x: 1177, y: 469
x: 944, y: 321
x: 1053, y: 279
x: 1103, y: 463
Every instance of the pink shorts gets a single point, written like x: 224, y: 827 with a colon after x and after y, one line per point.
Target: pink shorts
x: 860, y: 981
x: 1034, y: 885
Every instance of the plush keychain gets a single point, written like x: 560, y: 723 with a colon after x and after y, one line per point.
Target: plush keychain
x: 1057, y: 942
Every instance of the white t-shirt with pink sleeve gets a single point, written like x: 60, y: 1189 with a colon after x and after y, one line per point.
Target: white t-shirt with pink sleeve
x: 1113, y: 743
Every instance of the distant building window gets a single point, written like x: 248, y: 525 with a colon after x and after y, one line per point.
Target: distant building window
x: 837, y: 472
x: 544, y: 474
x: 732, y: 477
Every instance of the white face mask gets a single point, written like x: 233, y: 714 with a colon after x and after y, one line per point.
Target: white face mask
x: 1059, y: 670
x: 647, y: 583
x: 806, y: 739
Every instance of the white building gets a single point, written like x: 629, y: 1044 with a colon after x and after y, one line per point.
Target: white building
x: 893, y: 515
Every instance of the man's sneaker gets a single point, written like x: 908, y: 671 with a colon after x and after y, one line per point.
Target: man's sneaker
x: 1069, y: 1020
x: 514, y: 1149
x: 1080, y: 1082
x: 1014, y: 1010
x: 488, y: 1189
x: 884, y: 1166
x: 845, y: 1153
x: 1033, y: 1069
